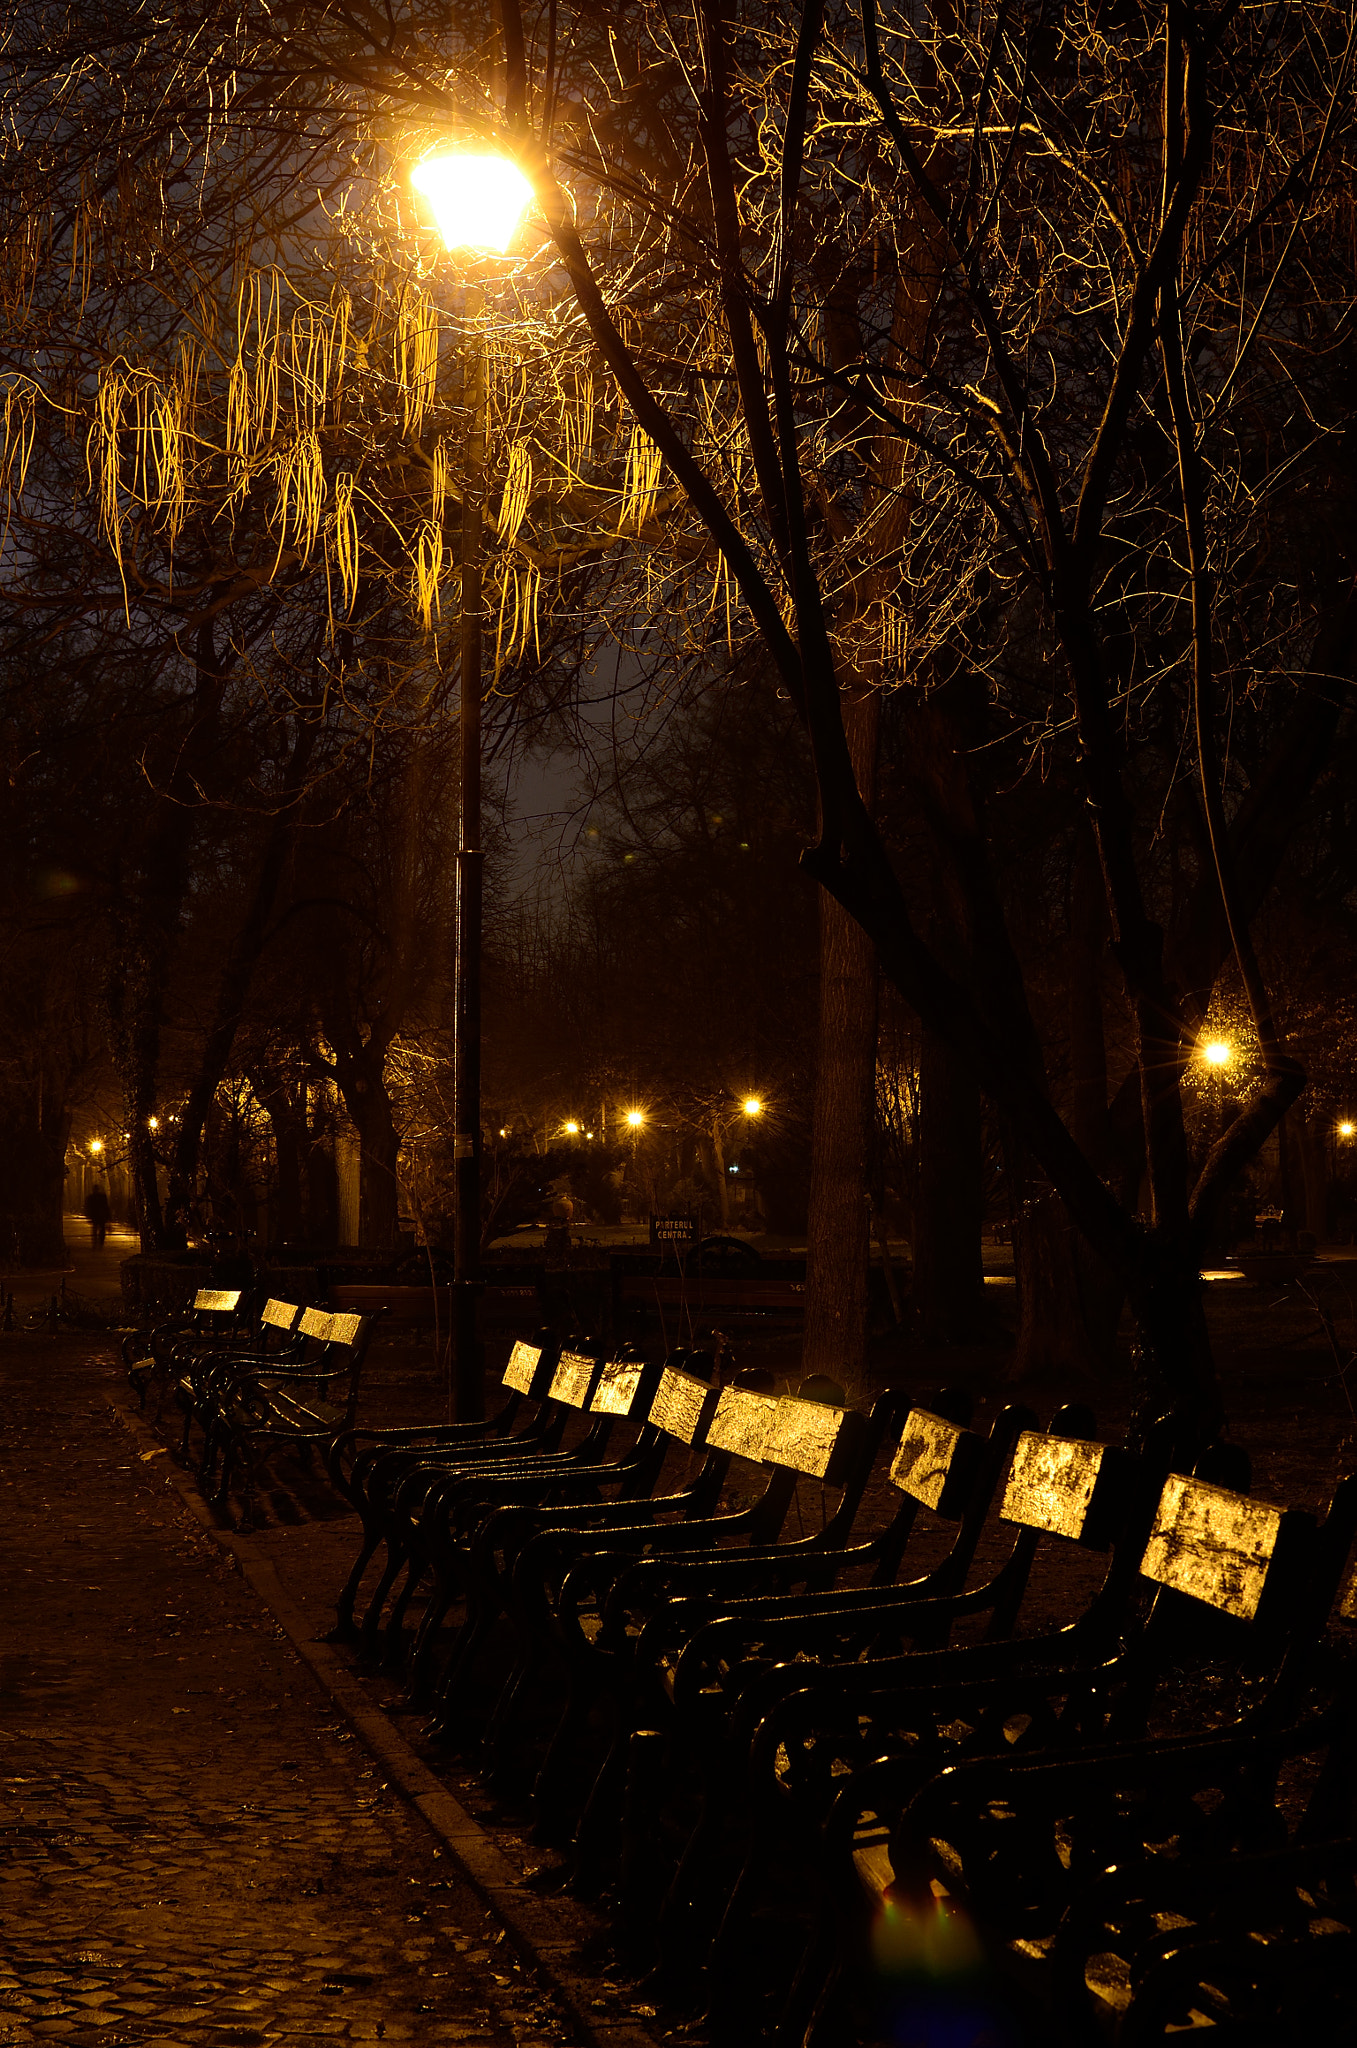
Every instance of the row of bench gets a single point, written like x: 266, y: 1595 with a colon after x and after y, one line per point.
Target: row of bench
x: 285, y: 1382
x: 828, y: 1789
x: 1063, y: 1747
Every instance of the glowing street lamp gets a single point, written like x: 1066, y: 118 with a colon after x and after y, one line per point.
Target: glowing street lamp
x: 752, y: 1106
x: 96, y: 1146
x: 1218, y: 1052
x: 1347, y: 1130
x: 635, y: 1118
x: 572, y: 1130
x: 477, y: 202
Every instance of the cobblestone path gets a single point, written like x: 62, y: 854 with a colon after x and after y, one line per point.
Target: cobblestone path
x: 193, y: 1849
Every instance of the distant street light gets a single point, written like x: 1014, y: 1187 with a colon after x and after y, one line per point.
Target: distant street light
x: 572, y: 1130
x: 752, y: 1106
x: 477, y: 202
x: 96, y: 1146
x: 636, y: 1117
x: 1347, y: 1130
x: 1218, y: 1052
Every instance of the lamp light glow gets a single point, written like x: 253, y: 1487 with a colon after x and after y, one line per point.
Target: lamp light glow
x: 1217, y: 1052
x: 572, y: 1130
x: 1347, y: 1130
x: 96, y: 1145
x: 636, y: 1117
x: 752, y: 1106
x: 476, y: 201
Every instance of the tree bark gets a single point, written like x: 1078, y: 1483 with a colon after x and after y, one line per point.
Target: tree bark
x: 838, y: 1220
x: 949, y: 1278
x: 237, y: 973
x: 145, y: 923
x: 1069, y: 1299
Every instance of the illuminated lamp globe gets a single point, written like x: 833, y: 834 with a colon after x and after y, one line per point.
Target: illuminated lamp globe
x: 1347, y: 1130
x: 1217, y: 1052
x: 476, y: 201
x: 636, y: 1117
x: 752, y: 1106
x: 96, y: 1144
x: 572, y: 1130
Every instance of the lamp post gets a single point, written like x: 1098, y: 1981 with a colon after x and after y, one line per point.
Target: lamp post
x: 477, y: 202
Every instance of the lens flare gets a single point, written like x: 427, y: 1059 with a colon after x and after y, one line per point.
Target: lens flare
x: 931, y: 1978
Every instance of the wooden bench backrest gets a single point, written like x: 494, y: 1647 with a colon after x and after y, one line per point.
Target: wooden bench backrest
x: 936, y: 1463
x: 678, y: 1404
x: 524, y: 1360
x: 741, y: 1423
x: 619, y: 1382
x: 344, y: 1327
x: 279, y: 1315
x: 815, y: 1438
x: 1066, y: 1487
x: 573, y: 1380
x: 216, y: 1300
x: 1217, y: 1547
x: 315, y: 1322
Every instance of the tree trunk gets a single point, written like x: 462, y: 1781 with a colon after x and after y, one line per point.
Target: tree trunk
x: 285, y: 1107
x: 237, y: 973
x: 378, y: 1195
x: 1314, y: 1155
x: 1174, y: 1375
x: 1069, y: 1300
x: 145, y: 925
x: 838, y: 1220
x: 949, y: 1279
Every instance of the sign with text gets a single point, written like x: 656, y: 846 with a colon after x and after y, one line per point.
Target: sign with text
x: 677, y: 1230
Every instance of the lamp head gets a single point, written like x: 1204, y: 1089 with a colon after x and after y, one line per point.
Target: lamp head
x: 1217, y: 1052
x: 636, y: 1117
x: 476, y: 201
x: 752, y: 1106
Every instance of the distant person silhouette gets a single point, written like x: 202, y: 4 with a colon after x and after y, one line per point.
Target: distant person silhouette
x: 98, y: 1211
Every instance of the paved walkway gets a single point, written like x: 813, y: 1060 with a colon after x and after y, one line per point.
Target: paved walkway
x: 194, y: 1848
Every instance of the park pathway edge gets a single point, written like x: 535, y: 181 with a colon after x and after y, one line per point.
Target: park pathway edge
x: 529, y: 1922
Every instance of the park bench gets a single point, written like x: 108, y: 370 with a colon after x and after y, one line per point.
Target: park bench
x: 602, y: 1393
x: 713, y: 1685
x: 647, y: 1656
x: 1056, y: 1692
x: 520, y: 1558
x: 257, y: 1408
x: 736, y: 1422
x: 499, y: 1304
x: 1162, y: 1868
x: 401, y: 1485
x: 216, y: 1318
x: 665, y: 1405
x: 751, y: 1298
x: 364, y: 1463
x: 195, y: 1366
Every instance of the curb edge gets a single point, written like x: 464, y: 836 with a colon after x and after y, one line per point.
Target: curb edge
x: 484, y: 1866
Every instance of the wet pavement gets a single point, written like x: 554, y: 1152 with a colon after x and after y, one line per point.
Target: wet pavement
x: 194, y: 1847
